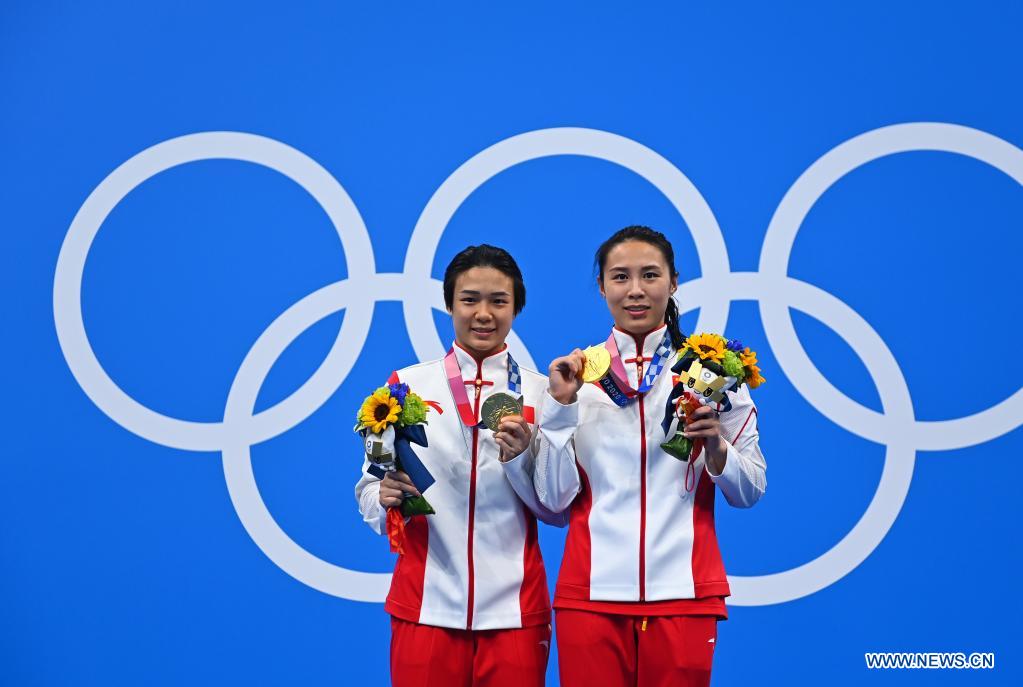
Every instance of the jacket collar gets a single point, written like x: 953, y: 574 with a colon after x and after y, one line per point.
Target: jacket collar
x: 494, y: 366
x: 646, y: 344
x: 628, y: 343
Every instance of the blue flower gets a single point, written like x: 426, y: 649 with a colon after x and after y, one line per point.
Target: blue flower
x: 734, y: 345
x: 398, y: 392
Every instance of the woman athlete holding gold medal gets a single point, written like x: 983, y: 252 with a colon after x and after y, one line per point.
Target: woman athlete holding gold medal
x: 468, y: 601
x: 642, y: 584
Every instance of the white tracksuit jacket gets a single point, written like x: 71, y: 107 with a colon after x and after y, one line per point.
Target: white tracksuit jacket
x: 475, y: 563
x: 636, y: 533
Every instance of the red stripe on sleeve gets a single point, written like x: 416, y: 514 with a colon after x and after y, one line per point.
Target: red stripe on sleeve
x: 574, y: 578
x: 405, y: 600
x: 534, y: 603
x: 752, y: 412
x: 708, y: 568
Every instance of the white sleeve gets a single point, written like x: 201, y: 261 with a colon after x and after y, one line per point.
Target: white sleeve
x: 555, y: 475
x: 367, y: 493
x: 744, y: 478
x: 519, y: 471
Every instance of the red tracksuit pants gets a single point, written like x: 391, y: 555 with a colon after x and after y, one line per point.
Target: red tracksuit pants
x: 428, y: 656
x: 604, y: 650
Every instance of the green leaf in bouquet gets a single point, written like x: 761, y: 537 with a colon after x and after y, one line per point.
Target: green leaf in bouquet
x: 414, y: 410
x: 416, y: 505
x: 678, y: 446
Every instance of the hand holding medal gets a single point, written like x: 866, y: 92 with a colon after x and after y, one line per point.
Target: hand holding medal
x: 598, y: 364
x: 497, y: 407
x: 565, y: 375
x: 502, y: 414
x: 602, y: 365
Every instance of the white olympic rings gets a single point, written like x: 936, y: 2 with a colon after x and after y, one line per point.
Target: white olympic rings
x: 775, y: 291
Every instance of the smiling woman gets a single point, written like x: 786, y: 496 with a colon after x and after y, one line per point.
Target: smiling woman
x: 451, y: 626
x: 642, y: 584
x: 484, y: 292
x: 482, y: 311
x: 637, y: 281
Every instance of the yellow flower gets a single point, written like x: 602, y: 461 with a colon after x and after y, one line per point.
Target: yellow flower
x: 707, y: 346
x: 754, y: 379
x: 379, y: 411
x: 748, y: 357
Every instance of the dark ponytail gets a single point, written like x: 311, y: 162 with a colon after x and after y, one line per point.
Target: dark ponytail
x: 674, y: 328
x: 660, y: 242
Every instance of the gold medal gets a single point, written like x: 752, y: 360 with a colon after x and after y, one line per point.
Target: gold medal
x: 497, y: 407
x: 598, y: 362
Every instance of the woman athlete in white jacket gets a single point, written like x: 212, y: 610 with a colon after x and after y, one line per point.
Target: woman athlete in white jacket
x: 642, y: 584
x: 469, y: 601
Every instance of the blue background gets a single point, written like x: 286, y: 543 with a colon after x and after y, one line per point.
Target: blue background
x: 123, y: 562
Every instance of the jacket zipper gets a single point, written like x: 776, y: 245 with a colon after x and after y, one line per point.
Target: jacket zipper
x: 642, y: 502
x: 472, y: 496
x: 642, y: 470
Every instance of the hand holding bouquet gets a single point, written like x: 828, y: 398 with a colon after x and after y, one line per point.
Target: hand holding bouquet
x: 708, y: 366
x: 390, y: 420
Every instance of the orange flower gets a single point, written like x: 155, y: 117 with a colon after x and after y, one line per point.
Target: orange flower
x: 754, y: 379
x: 748, y: 357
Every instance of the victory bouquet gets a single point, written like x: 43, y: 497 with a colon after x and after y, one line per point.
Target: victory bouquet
x: 390, y: 420
x: 708, y: 365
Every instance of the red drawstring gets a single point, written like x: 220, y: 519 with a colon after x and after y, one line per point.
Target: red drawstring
x: 690, y: 467
x: 686, y: 404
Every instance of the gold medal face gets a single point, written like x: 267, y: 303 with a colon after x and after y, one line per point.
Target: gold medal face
x: 598, y: 362
x: 497, y: 407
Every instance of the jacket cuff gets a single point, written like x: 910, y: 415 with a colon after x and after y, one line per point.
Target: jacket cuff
x: 376, y: 518
x: 730, y: 474
x: 556, y: 416
x: 731, y: 478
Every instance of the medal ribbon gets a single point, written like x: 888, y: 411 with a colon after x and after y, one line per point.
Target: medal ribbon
x: 457, y: 384
x: 612, y: 383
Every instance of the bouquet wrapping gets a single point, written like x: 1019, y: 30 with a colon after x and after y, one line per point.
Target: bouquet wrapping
x: 391, y: 420
x: 707, y: 367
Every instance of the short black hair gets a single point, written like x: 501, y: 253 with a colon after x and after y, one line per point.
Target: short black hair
x: 485, y: 255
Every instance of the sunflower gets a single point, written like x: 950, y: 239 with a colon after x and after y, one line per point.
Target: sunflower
x: 379, y: 411
x: 754, y: 379
x: 748, y: 357
x: 707, y: 346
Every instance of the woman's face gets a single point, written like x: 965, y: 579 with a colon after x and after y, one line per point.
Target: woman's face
x: 637, y: 284
x: 482, y: 310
